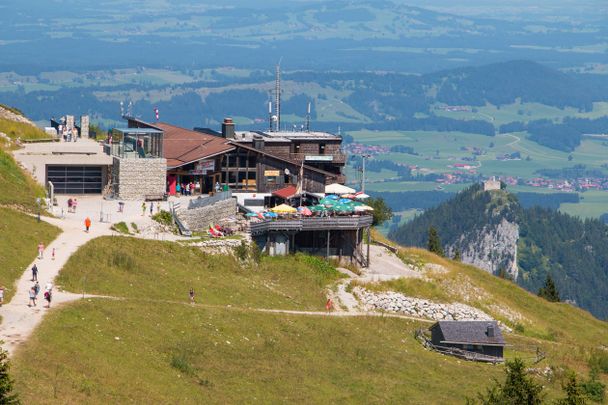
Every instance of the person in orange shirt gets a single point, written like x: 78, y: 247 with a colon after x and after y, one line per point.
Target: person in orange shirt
x: 87, y: 223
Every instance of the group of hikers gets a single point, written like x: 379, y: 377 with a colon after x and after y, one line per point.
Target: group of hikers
x: 72, y: 204
x: 35, y: 290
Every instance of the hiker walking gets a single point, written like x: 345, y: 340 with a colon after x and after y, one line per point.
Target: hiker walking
x: 217, y: 187
x: 32, y: 302
x: 47, y: 297
x: 74, y: 204
x: 41, y: 250
x: 329, y: 305
x: 87, y: 224
x: 35, y: 273
x: 191, y: 294
x: 143, y: 208
x: 37, y: 288
x: 70, y: 203
x: 53, y: 254
x: 151, y: 208
x: 121, y: 206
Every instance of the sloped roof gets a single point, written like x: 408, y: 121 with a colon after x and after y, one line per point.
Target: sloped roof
x: 470, y: 332
x: 285, y: 193
x: 182, y: 146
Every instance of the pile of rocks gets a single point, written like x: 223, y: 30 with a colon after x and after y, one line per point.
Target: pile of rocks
x: 218, y: 246
x: 417, y: 307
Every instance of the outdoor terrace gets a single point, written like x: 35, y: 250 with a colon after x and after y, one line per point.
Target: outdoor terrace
x: 312, y: 224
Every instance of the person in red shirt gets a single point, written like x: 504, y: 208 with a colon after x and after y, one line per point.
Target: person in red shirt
x: 87, y: 223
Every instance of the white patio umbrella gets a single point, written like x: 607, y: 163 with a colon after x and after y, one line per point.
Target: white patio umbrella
x: 338, y: 189
x: 361, y: 196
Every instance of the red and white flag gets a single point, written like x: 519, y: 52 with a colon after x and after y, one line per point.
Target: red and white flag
x: 156, y: 113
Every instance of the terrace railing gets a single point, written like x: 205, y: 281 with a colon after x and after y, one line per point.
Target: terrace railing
x: 207, y: 201
x: 311, y: 224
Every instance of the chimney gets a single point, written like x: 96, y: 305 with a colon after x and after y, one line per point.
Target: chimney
x: 228, y: 129
x: 490, y: 330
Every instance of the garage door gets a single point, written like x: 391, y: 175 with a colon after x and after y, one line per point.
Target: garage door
x: 75, y: 179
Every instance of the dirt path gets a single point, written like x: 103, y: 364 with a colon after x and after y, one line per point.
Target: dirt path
x: 18, y: 319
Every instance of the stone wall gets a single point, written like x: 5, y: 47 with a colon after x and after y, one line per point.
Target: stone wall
x: 417, y: 307
x: 134, y: 179
x: 198, y: 219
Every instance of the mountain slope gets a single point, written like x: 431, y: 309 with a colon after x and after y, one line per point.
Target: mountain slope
x: 493, y: 231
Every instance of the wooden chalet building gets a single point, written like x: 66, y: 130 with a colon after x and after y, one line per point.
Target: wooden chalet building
x: 258, y: 162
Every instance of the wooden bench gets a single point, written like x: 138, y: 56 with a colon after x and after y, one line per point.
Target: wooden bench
x: 156, y: 197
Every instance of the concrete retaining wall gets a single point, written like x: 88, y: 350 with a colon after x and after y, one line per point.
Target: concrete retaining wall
x: 198, y: 219
x: 134, y: 179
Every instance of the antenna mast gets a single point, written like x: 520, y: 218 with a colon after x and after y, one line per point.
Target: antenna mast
x: 278, y: 96
x: 270, y: 116
x: 308, y: 118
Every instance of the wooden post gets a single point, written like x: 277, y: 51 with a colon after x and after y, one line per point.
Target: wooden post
x: 327, y: 254
x: 368, y: 242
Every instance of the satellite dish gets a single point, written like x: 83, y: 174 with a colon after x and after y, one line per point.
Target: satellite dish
x: 287, y: 172
x: 274, y: 118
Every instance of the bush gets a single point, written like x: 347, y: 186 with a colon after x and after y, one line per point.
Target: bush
x: 164, y: 218
x: 242, y: 251
x: 120, y: 227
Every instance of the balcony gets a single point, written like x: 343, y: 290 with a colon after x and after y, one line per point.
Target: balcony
x: 312, y: 224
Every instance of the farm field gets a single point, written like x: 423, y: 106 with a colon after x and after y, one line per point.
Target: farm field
x: 440, y: 150
x: 522, y: 112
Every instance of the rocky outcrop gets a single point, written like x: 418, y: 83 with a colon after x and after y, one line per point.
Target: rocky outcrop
x: 491, y: 248
x: 10, y: 115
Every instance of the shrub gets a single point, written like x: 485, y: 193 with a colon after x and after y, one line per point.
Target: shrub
x: 120, y: 227
x: 164, y: 218
x: 242, y: 251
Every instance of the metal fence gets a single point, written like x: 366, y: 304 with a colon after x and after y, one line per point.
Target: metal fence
x: 207, y: 201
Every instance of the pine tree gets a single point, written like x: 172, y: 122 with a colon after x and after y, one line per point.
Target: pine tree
x: 434, y: 242
x: 575, y: 395
x: 6, y: 383
x: 518, y: 388
x: 549, y: 290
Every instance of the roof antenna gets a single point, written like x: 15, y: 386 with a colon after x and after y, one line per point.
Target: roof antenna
x: 308, y: 118
x: 277, y: 89
x: 270, y: 116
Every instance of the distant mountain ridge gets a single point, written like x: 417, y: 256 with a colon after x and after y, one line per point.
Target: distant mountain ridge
x: 491, y: 230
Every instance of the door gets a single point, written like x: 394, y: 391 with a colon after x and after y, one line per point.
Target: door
x: 75, y: 179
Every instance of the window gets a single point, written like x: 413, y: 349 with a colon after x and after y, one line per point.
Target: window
x: 321, y: 149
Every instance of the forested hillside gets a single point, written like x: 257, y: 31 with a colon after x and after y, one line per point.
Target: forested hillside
x: 574, y: 252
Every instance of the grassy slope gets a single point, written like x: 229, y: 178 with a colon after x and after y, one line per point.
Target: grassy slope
x: 20, y: 237
x: 20, y: 233
x: 170, y: 351
x: 166, y: 271
x: 567, y: 334
x: 17, y: 187
x: 21, y: 130
x: 183, y: 354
